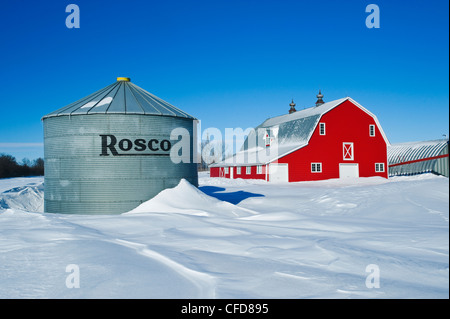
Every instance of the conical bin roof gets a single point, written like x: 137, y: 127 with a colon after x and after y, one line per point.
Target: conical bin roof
x: 121, y: 97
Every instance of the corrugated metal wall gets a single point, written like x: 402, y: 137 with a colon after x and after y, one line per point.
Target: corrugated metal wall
x: 78, y: 179
x: 441, y: 166
x: 413, y: 151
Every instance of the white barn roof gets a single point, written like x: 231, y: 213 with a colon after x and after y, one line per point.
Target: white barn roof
x: 288, y: 133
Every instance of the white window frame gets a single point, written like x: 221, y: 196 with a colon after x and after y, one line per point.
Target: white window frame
x: 238, y: 170
x: 248, y: 170
x: 371, y: 130
x: 322, y: 128
x: 259, y: 169
x: 344, y: 153
x: 316, y: 167
x: 379, y: 168
x: 227, y: 170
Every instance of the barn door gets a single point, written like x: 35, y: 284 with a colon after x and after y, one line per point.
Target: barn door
x: 348, y: 170
x: 278, y: 173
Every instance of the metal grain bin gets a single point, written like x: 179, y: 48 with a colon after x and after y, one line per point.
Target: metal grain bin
x: 110, y: 151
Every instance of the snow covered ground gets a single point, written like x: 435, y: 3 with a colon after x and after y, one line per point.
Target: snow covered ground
x: 234, y: 239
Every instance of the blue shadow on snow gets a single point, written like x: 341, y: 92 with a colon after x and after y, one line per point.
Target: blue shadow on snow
x: 233, y: 198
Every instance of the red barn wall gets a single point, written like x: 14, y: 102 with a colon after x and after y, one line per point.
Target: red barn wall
x: 214, y: 171
x: 220, y: 172
x: 252, y: 175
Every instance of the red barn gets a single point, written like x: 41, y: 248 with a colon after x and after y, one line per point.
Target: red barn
x: 338, y: 139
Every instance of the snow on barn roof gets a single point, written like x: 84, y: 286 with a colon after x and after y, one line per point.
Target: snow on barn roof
x: 288, y: 133
x: 121, y: 97
x: 312, y: 111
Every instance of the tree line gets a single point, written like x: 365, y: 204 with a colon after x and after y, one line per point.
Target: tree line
x: 10, y: 168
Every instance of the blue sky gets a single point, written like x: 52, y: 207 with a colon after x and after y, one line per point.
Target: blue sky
x: 229, y: 63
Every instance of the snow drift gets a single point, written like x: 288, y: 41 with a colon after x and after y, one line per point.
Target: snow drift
x: 187, y: 199
x: 28, y: 198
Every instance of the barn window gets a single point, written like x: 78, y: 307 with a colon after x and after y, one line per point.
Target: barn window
x: 238, y: 170
x: 347, y: 149
x: 379, y: 167
x: 322, y: 128
x: 267, y: 138
x: 248, y: 170
x: 371, y: 130
x: 259, y: 169
x: 316, y: 167
x: 226, y: 170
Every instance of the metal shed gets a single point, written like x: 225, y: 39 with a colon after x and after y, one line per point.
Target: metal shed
x: 110, y: 151
x: 419, y: 157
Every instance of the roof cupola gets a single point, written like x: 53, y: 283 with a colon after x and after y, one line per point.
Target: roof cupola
x: 292, y: 109
x: 319, y: 99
